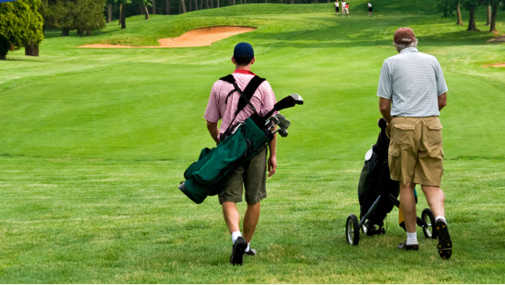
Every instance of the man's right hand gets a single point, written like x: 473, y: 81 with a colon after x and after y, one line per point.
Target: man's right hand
x: 214, y: 132
x: 272, y: 165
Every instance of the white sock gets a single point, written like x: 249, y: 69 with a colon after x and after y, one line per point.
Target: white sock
x: 235, y: 236
x: 412, y: 238
x: 442, y: 218
x: 248, y: 246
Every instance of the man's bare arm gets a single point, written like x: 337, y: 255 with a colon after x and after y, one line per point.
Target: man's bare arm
x: 442, y: 101
x: 214, y: 132
x: 272, y: 160
x: 385, y: 108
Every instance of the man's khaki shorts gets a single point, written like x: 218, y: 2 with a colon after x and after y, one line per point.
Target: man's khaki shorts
x: 415, y: 150
x: 252, y: 176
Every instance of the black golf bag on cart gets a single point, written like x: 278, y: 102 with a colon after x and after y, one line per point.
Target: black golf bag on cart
x: 378, y: 194
x: 374, y: 181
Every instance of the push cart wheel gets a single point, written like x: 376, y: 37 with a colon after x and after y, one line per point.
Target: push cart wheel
x: 352, y: 230
x: 428, y: 223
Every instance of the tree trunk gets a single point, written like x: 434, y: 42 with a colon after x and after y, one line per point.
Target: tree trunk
x: 217, y: 4
x: 459, y: 21
x: 195, y: 4
x: 109, y: 13
x: 492, y: 24
x: 32, y: 50
x: 28, y: 50
x: 471, y: 21
x: 190, y: 5
x: 65, y: 32
x: 488, y: 21
x: 146, y: 12
x: 153, y: 7
x: 167, y: 7
x: 122, y: 16
x: 183, y: 6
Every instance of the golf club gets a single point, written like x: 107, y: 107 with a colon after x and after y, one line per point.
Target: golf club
x: 286, y: 102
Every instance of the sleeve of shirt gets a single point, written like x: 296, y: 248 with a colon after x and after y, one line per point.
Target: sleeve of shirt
x: 441, y: 84
x: 385, y: 89
x: 267, y: 99
x: 212, y: 111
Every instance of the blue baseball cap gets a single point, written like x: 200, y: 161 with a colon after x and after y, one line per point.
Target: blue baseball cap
x: 243, y: 53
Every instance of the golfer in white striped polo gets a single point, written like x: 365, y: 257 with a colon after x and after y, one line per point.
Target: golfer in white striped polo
x: 412, y: 91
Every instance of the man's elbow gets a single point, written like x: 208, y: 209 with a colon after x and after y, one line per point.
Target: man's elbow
x: 442, y: 101
x: 384, y: 107
x: 211, y: 125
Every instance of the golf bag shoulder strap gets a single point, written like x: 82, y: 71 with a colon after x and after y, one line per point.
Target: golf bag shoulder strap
x: 245, y: 96
x: 230, y: 79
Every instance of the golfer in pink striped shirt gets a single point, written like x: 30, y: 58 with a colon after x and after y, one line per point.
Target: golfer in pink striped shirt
x: 222, y: 106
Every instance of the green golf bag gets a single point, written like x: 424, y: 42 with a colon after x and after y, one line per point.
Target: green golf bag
x: 206, y: 176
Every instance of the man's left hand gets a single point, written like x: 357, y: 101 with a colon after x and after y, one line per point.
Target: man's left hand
x: 272, y: 165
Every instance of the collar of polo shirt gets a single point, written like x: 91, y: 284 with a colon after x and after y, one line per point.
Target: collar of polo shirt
x: 409, y: 49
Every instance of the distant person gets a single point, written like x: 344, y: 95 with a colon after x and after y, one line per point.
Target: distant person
x: 337, y: 7
x: 343, y: 7
x: 412, y: 91
x: 370, y: 9
x: 222, y: 105
x: 346, y: 9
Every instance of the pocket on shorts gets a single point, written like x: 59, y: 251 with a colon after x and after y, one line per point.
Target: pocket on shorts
x: 436, y: 152
x: 401, y: 133
x: 434, y: 133
x: 394, y: 161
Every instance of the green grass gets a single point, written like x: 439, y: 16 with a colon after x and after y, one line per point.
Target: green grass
x: 94, y: 142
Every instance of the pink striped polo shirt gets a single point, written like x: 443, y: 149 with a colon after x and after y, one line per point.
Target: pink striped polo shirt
x: 263, y: 101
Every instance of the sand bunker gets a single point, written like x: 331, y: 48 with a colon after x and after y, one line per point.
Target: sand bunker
x: 193, y: 38
x: 495, y: 65
x: 500, y: 39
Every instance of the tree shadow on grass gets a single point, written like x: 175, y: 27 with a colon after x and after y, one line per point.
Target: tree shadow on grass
x: 25, y: 59
x: 52, y: 33
x: 332, y: 37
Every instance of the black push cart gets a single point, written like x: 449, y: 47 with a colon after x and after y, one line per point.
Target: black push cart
x: 378, y: 194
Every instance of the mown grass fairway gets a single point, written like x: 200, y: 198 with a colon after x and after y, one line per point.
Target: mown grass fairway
x: 94, y: 142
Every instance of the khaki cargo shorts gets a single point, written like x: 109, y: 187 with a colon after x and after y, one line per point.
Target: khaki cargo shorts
x: 415, y: 150
x: 252, y: 176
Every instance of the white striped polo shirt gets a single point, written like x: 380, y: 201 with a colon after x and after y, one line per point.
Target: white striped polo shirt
x: 412, y: 80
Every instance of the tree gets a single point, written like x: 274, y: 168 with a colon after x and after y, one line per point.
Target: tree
x: 22, y: 25
x: 110, y: 3
x: 448, y: 6
x: 183, y: 6
x: 494, y: 11
x: 144, y: 4
x: 471, y: 6
x: 34, y: 29
x: 459, y: 20
x: 122, y: 11
x: 84, y: 15
x: 5, y: 46
x: 167, y: 7
x: 89, y: 16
